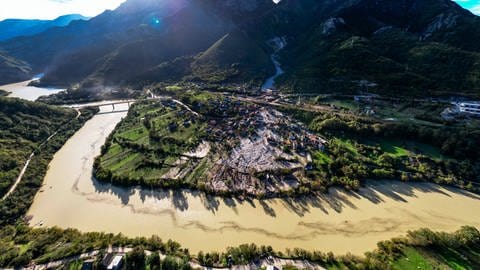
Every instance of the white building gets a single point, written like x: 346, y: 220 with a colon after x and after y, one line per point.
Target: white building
x: 116, y: 263
x: 469, y: 107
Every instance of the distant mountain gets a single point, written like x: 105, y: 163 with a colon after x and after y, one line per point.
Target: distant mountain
x: 131, y: 41
x: 408, y: 47
x: 11, y: 28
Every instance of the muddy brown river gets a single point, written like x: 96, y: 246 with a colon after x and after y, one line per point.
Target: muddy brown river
x: 340, y: 222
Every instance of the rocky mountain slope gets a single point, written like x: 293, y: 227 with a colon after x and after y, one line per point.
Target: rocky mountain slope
x: 403, y: 47
x: 409, y: 47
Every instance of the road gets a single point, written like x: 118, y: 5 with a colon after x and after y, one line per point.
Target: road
x: 27, y: 163
x: 77, y: 107
x: 154, y: 97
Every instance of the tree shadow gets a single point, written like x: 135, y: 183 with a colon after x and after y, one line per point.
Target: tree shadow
x: 211, y: 203
x: 179, y: 200
x: 267, y: 209
x: 336, y: 199
x: 123, y: 194
x: 230, y: 202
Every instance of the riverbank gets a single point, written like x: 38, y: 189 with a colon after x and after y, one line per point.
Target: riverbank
x: 25, y: 154
x: 340, y: 221
x: 68, y: 249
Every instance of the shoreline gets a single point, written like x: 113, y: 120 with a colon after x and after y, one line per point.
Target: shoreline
x: 323, y: 223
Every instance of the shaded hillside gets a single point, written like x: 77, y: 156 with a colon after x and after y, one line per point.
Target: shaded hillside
x: 234, y: 57
x: 13, y: 70
x: 109, y: 29
x: 11, y: 28
x: 410, y: 47
x: 189, y: 31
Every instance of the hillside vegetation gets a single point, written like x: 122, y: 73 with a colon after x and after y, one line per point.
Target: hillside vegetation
x: 407, y: 48
x: 401, y: 48
x: 13, y: 70
x: 421, y: 249
x: 25, y: 126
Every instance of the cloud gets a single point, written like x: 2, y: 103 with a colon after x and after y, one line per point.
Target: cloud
x: 50, y: 9
x: 472, y: 5
x: 476, y: 10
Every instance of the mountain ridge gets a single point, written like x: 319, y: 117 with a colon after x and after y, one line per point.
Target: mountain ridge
x: 11, y: 28
x: 341, y: 42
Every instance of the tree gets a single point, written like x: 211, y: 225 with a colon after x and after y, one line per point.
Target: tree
x: 135, y: 259
x: 169, y: 263
x: 153, y: 261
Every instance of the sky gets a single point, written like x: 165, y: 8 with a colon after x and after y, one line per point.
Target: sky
x: 472, y: 5
x: 50, y: 9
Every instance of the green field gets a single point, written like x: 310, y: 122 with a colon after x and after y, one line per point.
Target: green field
x: 412, y: 259
x: 150, y: 140
x: 403, y: 148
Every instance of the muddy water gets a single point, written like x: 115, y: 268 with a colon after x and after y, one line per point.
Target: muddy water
x: 341, y: 222
x: 22, y: 90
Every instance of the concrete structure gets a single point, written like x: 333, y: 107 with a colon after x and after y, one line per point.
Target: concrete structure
x: 470, y: 107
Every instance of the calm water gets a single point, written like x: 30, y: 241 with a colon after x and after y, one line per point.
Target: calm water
x: 340, y: 222
x: 22, y: 90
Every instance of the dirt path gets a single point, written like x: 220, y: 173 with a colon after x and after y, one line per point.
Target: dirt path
x: 186, y: 107
x: 153, y: 97
x: 27, y: 163
x: 19, y: 178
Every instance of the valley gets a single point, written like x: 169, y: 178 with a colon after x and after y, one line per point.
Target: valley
x: 312, y: 222
x: 166, y: 195
x: 242, y: 134
x: 319, y: 221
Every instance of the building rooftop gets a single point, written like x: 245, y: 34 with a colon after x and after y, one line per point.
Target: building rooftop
x: 115, y: 262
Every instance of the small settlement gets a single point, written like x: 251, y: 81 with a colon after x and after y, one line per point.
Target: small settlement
x: 253, y: 142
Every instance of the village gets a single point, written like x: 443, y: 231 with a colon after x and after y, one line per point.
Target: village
x: 259, y: 150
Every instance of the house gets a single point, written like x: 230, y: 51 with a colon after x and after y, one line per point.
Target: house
x: 107, y: 259
x: 364, y: 98
x: 116, y: 263
x: 88, y: 264
x: 472, y: 107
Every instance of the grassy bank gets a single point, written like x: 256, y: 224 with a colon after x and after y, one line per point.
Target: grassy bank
x: 362, y: 147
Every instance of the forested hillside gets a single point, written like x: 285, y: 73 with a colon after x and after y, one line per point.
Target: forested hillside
x: 414, y: 47
x: 24, y: 128
x: 13, y: 70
